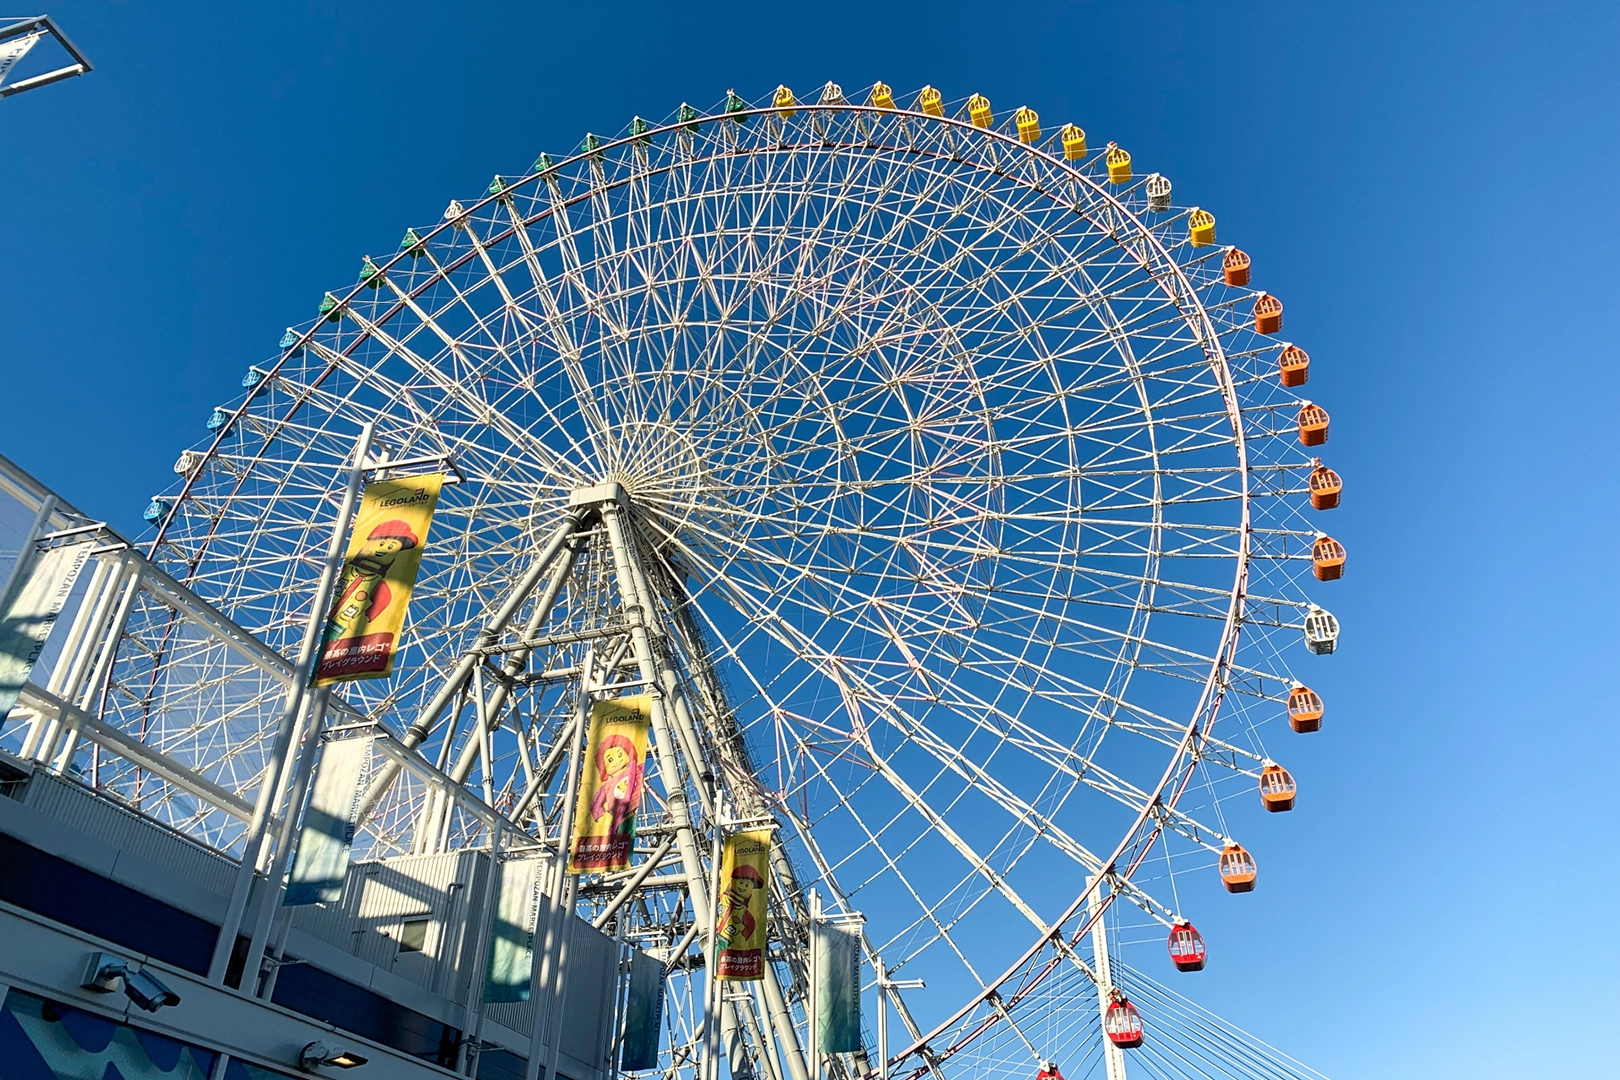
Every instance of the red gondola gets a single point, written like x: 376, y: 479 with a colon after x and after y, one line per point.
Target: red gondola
x: 1123, y: 1024
x: 1048, y: 1071
x: 1187, y: 950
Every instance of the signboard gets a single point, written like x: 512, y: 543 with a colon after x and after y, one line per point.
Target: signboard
x: 836, y: 960
x: 511, y: 945
x: 610, y: 788
x: 745, y: 871
x: 363, y: 625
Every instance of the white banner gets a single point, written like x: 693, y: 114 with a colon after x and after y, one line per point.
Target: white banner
x: 27, y: 622
x: 14, y: 50
x: 835, y: 957
x: 322, y: 859
x: 511, y: 943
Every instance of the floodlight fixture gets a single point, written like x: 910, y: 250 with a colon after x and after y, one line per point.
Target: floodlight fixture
x: 316, y: 1054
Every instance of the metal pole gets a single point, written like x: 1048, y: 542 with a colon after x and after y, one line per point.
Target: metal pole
x: 422, y: 727
x: 282, y: 747
x: 275, y: 883
x: 711, y: 981
x: 558, y: 914
x: 127, y: 586
x: 812, y: 993
x: 883, y: 1017
x: 1113, y: 1056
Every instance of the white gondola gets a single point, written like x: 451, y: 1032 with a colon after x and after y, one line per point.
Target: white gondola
x: 1158, y: 193
x: 1321, y: 631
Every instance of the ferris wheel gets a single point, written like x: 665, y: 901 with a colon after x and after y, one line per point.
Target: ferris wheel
x: 956, y: 481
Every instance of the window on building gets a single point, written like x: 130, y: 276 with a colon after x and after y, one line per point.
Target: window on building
x: 413, y: 935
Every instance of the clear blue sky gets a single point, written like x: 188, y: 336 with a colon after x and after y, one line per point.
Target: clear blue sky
x: 1430, y: 188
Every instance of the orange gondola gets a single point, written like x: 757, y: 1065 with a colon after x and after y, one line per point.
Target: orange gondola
x: 1313, y: 425
x: 1327, y: 559
x: 1294, y: 366
x: 1238, y: 870
x: 1236, y: 268
x: 1187, y: 949
x: 1326, y: 486
x: 1305, y: 709
x: 1277, y: 789
x: 1122, y: 1023
x: 1267, y: 314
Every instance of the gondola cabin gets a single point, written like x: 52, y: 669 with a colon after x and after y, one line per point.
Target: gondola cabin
x: 1277, y: 789
x: 1305, y: 710
x: 1029, y: 125
x: 1201, y: 228
x: 784, y: 102
x: 1294, y: 366
x: 882, y: 96
x: 1119, y: 164
x: 1321, y: 631
x: 1074, y: 143
x: 1158, y: 193
x: 1313, y: 425
x: 1236, y: 268
x: 1327, y: 559
x: 1187, y: 950
x: 979, y: 111
x: 930, y: 102
x: 1123, y: 1024
x: 1267, y: 314
x: 1238, y: 870
x: 1326, y: 486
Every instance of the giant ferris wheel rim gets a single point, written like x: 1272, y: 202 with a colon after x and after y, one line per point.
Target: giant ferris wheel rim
x: 1178, y: 773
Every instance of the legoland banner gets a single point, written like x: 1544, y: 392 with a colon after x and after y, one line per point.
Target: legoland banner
x: 379, y: 571
x: 745, y: 871
x: 610, y: 789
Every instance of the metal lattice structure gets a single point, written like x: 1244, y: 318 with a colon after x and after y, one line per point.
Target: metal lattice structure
x: 924, y: 465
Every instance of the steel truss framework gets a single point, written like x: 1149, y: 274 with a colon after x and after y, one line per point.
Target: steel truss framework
x: 940, y: 491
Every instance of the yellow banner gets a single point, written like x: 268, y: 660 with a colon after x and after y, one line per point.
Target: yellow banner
x: 379, y: 571
x: 745, y: 871
x: 611, y: 785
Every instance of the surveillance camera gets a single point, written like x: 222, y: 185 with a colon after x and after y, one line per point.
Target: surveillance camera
x: 147, y: 992
x: 107, y: 973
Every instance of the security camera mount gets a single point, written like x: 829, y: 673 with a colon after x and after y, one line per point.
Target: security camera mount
x: 107, y: 972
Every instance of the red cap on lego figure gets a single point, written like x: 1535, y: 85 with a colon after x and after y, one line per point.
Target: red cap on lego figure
x: 394, y: 530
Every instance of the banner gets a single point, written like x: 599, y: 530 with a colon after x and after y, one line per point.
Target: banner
x: 321, y: 860
x: 379, y: 571
x: 511, y: 943
x: 610, y: 788
x: 15, y: 49
x: 745, y: 871
x: 643, y: 1013
x: 835, y: 957
x: 27, y: 622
